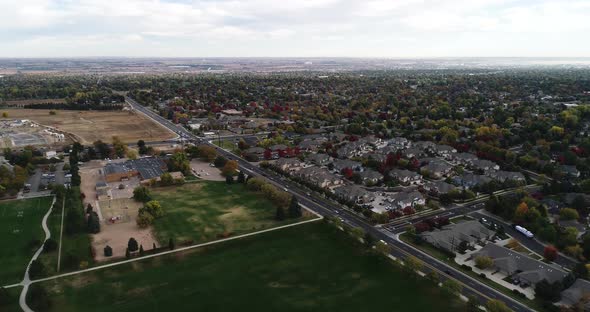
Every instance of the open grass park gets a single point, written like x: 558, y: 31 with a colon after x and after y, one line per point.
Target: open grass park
x: 304, y: 268
x: 208, y: 210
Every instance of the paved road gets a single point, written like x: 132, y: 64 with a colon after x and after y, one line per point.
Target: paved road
x: 472, y: 287
x: 532, y: 244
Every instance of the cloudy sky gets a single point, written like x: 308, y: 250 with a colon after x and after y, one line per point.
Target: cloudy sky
x: 370, y: 28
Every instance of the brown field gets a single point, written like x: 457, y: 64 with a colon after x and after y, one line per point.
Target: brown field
x: 90, y: 126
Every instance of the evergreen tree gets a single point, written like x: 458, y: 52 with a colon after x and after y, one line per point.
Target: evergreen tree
x: 132, y: 245
x: 108, y: 251
x: 294, y: 208
x: 154, y: 246
x: 127, y: 253
x: 141, y: 252
x: 241, y: 177
x: 280, y: 214
x: 93, y: 225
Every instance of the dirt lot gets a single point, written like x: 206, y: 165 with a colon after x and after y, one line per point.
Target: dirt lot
x: 90, y: 126
x: 205, y: 172
x: 117, y: 235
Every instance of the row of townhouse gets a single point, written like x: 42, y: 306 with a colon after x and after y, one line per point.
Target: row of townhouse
x: 354, y: 193
x: 320, y: 177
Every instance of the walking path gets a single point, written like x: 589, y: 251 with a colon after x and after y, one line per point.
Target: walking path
x: 26, y: 280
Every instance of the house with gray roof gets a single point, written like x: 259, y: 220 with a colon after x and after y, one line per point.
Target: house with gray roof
x: 371, y: 177
x: 406, y: 177
x: 354, y: 193
x: 437, y: 169
x: 580, y: 289
x: 526, y: 270
x: 319, y: 159
x: 289, y: 164
x: 399, y: 143
x: 503, y: 176
x: 449, y: 237
x: 464, y: 159
x: 309, y: 145
x: 442, y: 150
x: 470, y: 180
x: 439, y: 187
x: 406, y: 199
x: 341, y: 164
x: 483, y: 165
x: 412, y: 152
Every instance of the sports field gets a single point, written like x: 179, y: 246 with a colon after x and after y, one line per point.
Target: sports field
x: 20, y: 235
x: 208, y: 210
x: 312, y: 267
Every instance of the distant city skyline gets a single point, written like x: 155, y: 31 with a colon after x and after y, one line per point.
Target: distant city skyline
x: 305, y: 28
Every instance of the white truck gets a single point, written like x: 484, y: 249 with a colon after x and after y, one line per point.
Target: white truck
x: 524, y: 231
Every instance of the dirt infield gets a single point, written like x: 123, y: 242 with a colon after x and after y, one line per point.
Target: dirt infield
x: 90, y: 126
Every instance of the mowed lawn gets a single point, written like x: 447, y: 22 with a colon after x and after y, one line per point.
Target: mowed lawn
x: 312, y: 267
x: 20, y: 226
x: 208, y: 210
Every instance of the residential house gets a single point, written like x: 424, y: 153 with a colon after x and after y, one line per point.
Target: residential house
x: 503, y: 176
x: 406, y: 177
x: 412, y: 153
x: 406, y: 199
x: 320, y: 177
x: 525, y: 270
x: 355, y: 194
x: 443, y: 150
x: 449, y: 237
x: 370, y: 177
x: 439, y: 187
x: 341, y: 164
x: 319, y: 159
x: 289, y: 164
x: 399, y: 143
x: 437, y: 169
x: 464, y: 159
x: 470, y: 180
x: 579, y: 290
x: 483, y: 165
x: 254, y: 153
x: 310, y: 145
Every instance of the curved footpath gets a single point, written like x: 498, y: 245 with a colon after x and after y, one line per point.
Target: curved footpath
x: 26, y: 280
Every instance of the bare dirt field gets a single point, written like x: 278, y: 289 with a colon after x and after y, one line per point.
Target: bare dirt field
x: 90, y: 126
x: 117, y: 235
x: 206, y: 172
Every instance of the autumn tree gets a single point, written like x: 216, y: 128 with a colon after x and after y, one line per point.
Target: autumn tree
x: 230, y: 168
x: 550, y: 252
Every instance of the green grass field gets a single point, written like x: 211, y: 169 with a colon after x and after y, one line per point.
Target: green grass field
x: 12, y: 304
x: 207, y: 210
x: 20, y: 226
x: 312, y: 267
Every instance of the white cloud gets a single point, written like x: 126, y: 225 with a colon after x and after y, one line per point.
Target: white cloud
x: 317, y: 27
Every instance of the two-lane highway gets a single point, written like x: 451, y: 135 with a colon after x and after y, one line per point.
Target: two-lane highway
x: 471, y: 286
